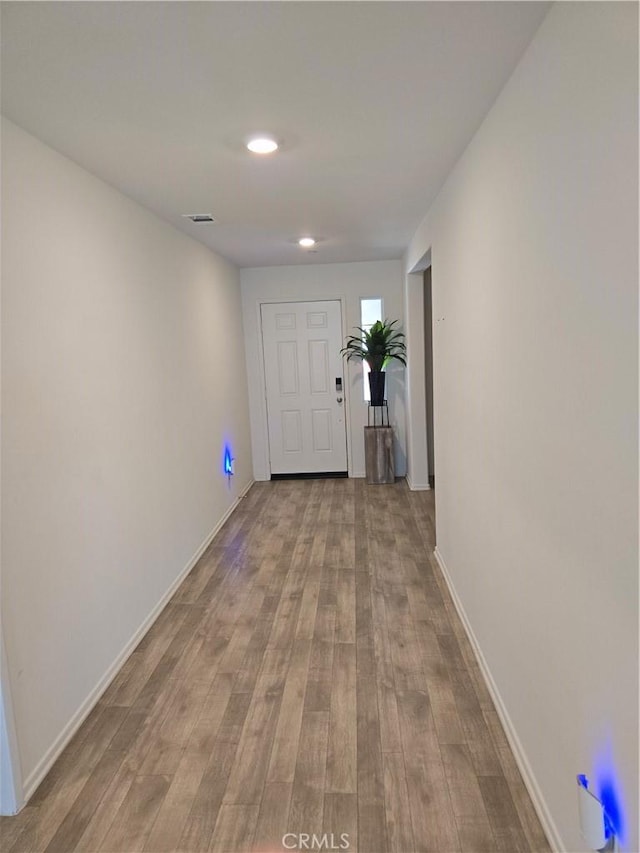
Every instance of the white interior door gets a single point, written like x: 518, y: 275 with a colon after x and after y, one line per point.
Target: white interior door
x: 304, y: 386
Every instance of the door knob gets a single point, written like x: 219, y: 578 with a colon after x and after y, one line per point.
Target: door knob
x: 339, y: 399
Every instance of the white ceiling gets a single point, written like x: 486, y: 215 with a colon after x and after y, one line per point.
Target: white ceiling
x: 373, y: 101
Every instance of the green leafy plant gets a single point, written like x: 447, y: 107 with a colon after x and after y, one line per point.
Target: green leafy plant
x: 377, y: 346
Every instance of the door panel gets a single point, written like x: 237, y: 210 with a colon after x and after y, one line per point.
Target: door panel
x: 306, y: 421
x: 291, y: 432
x: 288, y: 368
x: 317, y: 320
x: 285, y: 321
x: 319, y: 367
x: 321, y: 429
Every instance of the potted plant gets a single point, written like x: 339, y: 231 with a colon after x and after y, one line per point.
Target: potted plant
x: 377, y: 345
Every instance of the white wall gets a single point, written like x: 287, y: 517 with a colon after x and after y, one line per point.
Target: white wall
x: 349, y: 282
x: 123, y: 375
x: 534, y: 242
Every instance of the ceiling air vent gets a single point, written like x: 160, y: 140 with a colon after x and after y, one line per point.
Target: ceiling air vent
x: 199, y: 217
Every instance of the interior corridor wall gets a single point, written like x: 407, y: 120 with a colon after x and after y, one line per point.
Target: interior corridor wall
x: 534, y: 249
x: 123, y: 378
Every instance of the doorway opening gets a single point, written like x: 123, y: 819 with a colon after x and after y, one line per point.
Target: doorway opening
x: 428, y: 372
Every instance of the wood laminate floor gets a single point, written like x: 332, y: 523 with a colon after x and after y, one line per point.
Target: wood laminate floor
x: 310, y: 676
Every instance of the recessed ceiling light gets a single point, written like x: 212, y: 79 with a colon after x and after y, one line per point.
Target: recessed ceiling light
x: 306, y: 242
x: 262, y: 145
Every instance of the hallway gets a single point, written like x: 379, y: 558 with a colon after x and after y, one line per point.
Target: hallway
x: 310, y: 676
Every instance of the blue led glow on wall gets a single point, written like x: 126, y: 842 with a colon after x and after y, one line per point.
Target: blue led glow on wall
x: 228, y: 461
x: 607, y: 788
x: 606, y: 791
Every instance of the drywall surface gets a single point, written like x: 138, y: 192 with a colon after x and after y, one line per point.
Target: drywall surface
x: 534, y: 242
x: 350, y: 283
x: 123, y: 377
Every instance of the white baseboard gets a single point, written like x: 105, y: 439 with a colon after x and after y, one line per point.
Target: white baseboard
x: 47, y: 761
x: 539, y: 803
x: 417, y: 487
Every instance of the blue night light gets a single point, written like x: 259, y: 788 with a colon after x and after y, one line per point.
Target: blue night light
x: 607, y: 788
x: 228, y: 462
x: 607, y: 792
x: 607, y: 825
